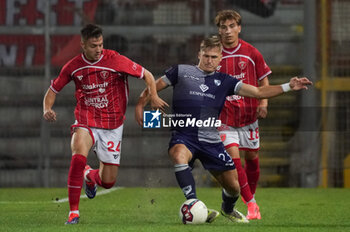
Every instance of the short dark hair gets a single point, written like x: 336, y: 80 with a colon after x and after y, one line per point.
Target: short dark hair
x: 90, y: 31
x: 211, y: 42
x: 228, y: 14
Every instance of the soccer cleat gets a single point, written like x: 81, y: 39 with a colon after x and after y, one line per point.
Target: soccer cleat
x: 235, y: 216
x: 212, y: 215
x: 90, y: 188
x: 253, y: 211
x: 73, y: 219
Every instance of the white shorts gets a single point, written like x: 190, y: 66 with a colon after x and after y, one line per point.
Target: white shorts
x: 107, y: 143
x: 245, y: 138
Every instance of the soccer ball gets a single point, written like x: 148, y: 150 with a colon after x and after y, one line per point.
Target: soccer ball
x: 193, y: 211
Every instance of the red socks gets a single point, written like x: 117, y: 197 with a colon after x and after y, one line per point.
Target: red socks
x: 243, y: 182
x: 95, y: 178
x: 248, y: 178
x: 75, y: 180
x: 252, y: 171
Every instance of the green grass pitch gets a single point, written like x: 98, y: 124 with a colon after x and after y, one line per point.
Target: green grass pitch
x: 156, y: 209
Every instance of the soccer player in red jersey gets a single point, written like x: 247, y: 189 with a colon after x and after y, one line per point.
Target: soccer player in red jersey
x: 101, y: 92
x: 240, y: 129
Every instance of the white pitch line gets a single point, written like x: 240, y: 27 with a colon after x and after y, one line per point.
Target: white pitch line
x: 99, y: 193
x: 102, y: 192
x: 23, y: 202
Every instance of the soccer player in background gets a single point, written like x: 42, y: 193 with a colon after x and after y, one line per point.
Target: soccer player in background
x: 101, y: 92
x: 199, y: 93
x: 239, y: 116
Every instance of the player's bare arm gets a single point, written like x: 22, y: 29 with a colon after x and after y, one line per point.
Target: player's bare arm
x: 49, y: 100
x: 144, y: 99
x: 270, y: 91
x: 156, y: 101
x: 262, y: 108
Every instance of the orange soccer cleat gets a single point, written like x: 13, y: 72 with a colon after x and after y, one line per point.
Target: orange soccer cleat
x: 73, y: 219
x: 253, y: 211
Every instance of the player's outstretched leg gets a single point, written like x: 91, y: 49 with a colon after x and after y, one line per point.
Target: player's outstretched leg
x: 212, y: 215
x: 90, y: 187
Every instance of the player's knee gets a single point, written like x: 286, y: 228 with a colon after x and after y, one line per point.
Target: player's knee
x: 179, y: 154
x: 233, y: 191
x: 251, y: 155
x: 107, y: 185
x: 80, y: 149
x: 233, y: 188
x: 178, y: 159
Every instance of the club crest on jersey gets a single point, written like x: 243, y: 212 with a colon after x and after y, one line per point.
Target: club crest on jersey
x: 203, y: 87
x: 242, y: 64
x: 104, y: 74
x: 217, y: 82
x: 223, y: 137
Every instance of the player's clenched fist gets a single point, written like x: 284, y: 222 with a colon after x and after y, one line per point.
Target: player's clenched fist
x: 50, y: 115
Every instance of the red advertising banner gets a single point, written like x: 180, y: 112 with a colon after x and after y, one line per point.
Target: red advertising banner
x: 28, y: 50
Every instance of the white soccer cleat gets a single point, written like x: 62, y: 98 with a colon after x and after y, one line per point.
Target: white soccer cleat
x: 212, y: 215
x: 235, y: 216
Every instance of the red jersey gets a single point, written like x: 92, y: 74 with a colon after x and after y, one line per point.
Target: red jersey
x: 245, y: 63
x: 101, y: 87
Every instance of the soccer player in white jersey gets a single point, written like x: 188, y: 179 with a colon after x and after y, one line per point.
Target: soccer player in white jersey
x: 200, y: 92
x: 240, y: 129
x: 101, y: 91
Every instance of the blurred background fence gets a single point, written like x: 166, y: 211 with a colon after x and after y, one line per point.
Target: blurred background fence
x: 304, y: 140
